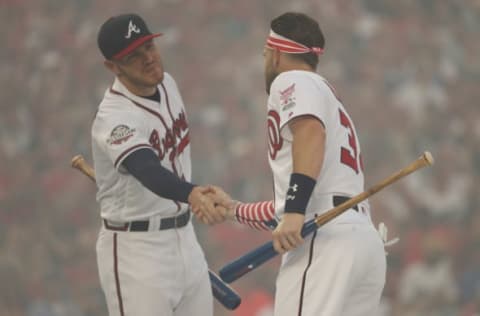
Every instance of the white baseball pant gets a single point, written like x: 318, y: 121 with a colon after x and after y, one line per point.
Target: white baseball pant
x: 154, y: 273
x: 338, y: 271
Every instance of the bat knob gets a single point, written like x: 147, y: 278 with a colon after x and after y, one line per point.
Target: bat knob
x: 428, y: 158
x: 76, y: 160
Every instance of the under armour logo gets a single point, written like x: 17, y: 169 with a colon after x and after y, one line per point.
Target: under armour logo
x: 132, y: 28
x: 291, y: 197
x: 294, y: 187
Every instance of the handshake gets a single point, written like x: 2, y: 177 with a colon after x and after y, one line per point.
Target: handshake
x: 211, y: 205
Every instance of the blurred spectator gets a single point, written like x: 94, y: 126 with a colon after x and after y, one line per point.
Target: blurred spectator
x: 428, y: 286
x: 408, y: 72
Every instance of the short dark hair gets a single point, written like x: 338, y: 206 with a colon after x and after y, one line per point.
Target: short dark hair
x: 303, y: 29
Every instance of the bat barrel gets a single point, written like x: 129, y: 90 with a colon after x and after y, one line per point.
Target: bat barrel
x: 223, y: 293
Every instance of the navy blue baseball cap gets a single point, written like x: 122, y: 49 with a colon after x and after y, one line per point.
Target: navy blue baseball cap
x: 121, y: 34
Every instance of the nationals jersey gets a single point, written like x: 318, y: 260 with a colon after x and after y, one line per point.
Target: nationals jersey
x: 125, y: 123
x: 298, y: 93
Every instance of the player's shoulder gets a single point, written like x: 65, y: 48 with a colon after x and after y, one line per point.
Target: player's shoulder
x: 306, y: 84
x: 111, y: 110
x: 114, y: 97
x: 111, y: 121
x: 296, y: 79
x: 102, y: 116
x: 111, y: 104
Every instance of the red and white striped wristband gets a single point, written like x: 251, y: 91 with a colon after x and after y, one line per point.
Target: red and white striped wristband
x: 259, y: 215
x: 286, y: 45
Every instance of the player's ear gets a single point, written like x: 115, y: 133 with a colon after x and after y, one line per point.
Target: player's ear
x: 112, y: 66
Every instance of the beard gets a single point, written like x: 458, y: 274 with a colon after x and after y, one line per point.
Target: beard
x: 143, y: 79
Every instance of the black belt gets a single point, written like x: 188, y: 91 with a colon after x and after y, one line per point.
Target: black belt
x: 142, y: 226
x: 339, y: 199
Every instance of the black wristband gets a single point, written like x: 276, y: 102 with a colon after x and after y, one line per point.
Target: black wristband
x: 299, y: 192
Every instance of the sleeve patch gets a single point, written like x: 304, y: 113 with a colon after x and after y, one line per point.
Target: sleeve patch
x: 287, y: 99
x: 120, y: 134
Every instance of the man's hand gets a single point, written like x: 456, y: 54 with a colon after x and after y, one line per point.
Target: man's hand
x: 287, y: 235
x: 223, y: 202
x: 201, y: 203
x: 220, y: 197
x: 210, y: 204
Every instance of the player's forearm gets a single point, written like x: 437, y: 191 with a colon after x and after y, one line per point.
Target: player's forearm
x: 307, y: 153
x: 258, y: 215
x: 308, y: 146
x: 145, y: 167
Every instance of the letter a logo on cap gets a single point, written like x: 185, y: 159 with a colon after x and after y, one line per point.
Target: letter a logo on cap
x: 132, y: 28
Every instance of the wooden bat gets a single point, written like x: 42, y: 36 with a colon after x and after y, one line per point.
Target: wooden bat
x: 78, y: 162
x: 221, y: 291
x: 251, y: 260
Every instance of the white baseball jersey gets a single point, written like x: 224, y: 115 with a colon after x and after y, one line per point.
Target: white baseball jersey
x: 125, y: 123
x: 159, y: 272
x: 342, y: 264
x: 298, y: 93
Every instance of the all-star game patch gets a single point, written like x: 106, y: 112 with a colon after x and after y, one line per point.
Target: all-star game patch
x: 120, y: 134
x: 287, y: 99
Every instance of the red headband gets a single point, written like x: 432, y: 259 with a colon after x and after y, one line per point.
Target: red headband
x: 285, y: 45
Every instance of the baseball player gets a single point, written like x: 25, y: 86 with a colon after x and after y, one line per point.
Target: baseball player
x: 149, y: 260
x: 314, y: 154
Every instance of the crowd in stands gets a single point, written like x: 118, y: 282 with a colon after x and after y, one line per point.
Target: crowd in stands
x: 407, y: 71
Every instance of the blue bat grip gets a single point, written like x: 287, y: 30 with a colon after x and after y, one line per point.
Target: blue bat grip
x: 237, y: 268
x: 251, y: 260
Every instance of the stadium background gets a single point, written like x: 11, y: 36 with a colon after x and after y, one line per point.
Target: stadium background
x: 408, y: 72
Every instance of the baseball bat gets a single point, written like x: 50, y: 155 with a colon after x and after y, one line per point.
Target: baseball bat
x: 221, y: 291
x: 251, y: 260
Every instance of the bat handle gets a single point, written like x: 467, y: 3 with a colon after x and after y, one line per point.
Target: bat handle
x: 309, y: 227
x: 255, y: 258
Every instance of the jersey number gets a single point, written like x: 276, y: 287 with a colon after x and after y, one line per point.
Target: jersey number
x: 349, y: 155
